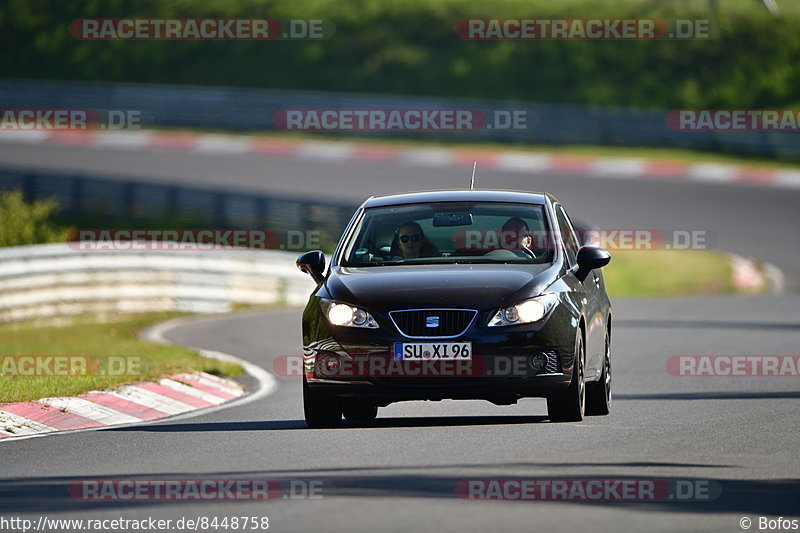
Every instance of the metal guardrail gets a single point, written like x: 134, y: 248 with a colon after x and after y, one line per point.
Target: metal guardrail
x: 53, y: 280
x: 170, y: 106
x: 128, y: 202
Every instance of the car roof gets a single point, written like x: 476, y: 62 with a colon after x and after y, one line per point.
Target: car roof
x: 460, y: 195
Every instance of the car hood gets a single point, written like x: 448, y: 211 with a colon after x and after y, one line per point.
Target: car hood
x: 458, y: 286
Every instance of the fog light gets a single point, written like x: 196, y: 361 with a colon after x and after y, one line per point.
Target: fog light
x: 538, y: 361
x: 331, y: 365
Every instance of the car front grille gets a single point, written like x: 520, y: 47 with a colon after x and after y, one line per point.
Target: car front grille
x: 432, y: 323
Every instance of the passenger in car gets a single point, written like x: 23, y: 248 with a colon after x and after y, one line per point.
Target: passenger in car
x: 410, y: 242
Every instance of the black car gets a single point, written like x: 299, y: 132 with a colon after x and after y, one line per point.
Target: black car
x: 467, y: 294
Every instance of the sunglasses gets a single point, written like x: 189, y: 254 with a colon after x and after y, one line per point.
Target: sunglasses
x: 413, y: 238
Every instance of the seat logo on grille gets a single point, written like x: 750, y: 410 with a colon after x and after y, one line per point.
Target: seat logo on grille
x: 432, y: 322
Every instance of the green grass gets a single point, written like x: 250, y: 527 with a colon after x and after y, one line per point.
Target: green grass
x: 29, y: 223
x: 409, y: 47
x: 658, y: 273
x: 116, y: 338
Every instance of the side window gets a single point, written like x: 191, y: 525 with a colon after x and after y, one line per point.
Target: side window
x: 568, y: 235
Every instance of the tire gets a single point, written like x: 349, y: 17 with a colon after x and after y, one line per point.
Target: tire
x: 598, y: 395
x: 569, y: 405
x: 321, y: 410
x: 359, y: 410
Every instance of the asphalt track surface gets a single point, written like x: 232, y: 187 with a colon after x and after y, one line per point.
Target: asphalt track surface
x: 737, y: 435
x: 751, y: 220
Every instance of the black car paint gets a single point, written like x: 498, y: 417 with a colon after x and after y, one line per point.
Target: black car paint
x: 484, y: 287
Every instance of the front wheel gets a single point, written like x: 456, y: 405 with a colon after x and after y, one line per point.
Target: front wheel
x: 321, y: 410
x: 569, y: 405
x: 598, y: 395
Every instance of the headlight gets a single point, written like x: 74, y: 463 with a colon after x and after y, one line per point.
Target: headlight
x: 340, y: 314
x: 525, y: 312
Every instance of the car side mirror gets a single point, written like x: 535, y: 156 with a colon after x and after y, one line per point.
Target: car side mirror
x: 589, y: 258
x: 313, y: 264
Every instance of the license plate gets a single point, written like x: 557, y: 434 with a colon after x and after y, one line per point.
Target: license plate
x: 405, y: 351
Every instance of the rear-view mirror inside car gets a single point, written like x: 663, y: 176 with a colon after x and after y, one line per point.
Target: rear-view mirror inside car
x: 443, y: 219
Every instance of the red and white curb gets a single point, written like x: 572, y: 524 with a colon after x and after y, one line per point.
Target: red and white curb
x: 751, y: 275
x: 525, y: 162
x: 177, y: 396
x: 127, y: 404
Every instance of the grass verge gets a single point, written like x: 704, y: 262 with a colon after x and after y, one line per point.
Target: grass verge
x: 656, y: 273
x: 123, y: 356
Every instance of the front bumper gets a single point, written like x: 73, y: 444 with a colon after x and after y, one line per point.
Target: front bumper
x: 358, y: 363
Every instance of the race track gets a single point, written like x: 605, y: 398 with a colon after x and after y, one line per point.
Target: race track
x: 750, y: 220
x: 737, y: 436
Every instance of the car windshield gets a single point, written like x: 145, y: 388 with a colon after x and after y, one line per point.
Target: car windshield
x: 450, y: 232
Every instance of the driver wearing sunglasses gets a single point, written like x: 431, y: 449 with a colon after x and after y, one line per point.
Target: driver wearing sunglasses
x: 410, y: 242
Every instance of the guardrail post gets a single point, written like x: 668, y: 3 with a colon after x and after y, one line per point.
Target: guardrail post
x: 261, y: 211
x: 77, y: 194
x: 128, y: 199
x: 171, y: 206
x: 219, y: 210
x: 28, y: 182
